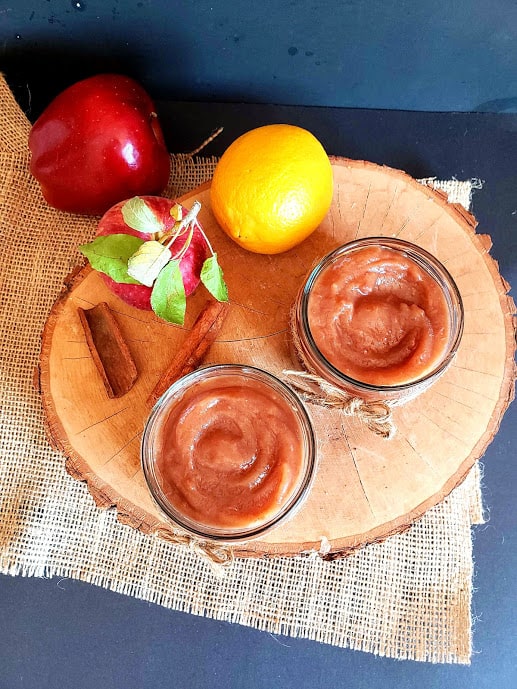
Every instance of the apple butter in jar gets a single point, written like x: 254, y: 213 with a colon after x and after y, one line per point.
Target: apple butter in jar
x: 380, y: 318
x: 228, y: 452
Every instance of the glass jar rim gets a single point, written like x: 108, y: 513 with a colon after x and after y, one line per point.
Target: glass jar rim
x: 242, y: 533
x: 433, y: 267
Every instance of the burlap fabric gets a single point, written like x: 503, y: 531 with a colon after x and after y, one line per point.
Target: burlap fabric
x: 408, y: 597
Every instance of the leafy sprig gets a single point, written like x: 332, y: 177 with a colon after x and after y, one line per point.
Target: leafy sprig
x: 131, y: 260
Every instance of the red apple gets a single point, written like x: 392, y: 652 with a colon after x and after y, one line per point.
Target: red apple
x: 97, y: 143
x: 112, y: 222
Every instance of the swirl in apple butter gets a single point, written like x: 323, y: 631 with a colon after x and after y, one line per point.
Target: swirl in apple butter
x: 229, y: 452
x: 378, y: 317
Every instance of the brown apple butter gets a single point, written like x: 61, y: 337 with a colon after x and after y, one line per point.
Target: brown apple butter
x: 229, y: 452
x: 379, y: 317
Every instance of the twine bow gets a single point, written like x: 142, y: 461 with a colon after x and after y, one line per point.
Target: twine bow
x: 376, y: 415
x: 217, y: 555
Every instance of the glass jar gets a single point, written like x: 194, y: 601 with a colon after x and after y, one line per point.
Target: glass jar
x: 228, y: 453
x: 379, y: 318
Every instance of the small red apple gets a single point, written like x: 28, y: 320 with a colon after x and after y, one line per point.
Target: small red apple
x: 112, y: 222
x: 97, y: 143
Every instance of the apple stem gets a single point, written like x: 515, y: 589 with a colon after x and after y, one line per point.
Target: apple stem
x: 186, y: 244
x: 187, y: 220
x: 205, y: 238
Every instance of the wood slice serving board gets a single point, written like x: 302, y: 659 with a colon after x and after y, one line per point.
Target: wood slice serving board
x: 366, y: 487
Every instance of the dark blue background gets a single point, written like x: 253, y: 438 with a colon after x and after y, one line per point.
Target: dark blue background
x: 397, y: 54
x: 56, y: 634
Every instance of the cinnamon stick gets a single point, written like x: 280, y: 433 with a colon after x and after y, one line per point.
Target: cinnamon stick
x: 109, y: 350
x: 195, y: 346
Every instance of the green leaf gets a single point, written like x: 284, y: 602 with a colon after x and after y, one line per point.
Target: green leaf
x: 146, y: 263
x: 168, y: 299
x: 139, y: 216
x: 110, y: 253
x: 212, y: 278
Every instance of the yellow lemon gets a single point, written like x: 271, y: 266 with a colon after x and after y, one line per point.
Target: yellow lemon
x: 272, y: 188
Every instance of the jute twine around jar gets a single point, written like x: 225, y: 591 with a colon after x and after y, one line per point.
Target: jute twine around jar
x: 219, y: 556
